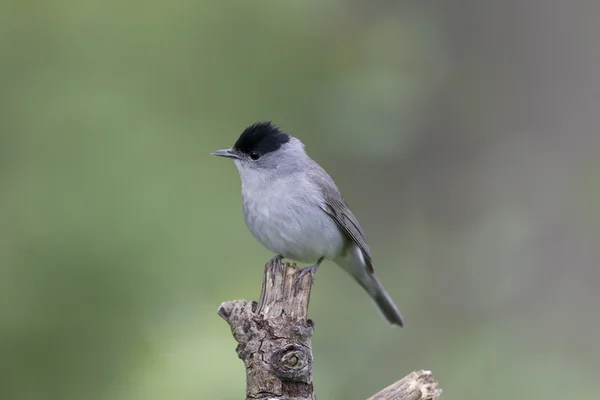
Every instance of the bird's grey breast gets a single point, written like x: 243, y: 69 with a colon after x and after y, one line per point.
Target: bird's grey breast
x: 285, y: 214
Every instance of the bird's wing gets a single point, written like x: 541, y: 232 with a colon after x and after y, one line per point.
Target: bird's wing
x: 334, y: 205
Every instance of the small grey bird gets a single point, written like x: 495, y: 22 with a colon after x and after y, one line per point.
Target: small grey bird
x: 294, y: 209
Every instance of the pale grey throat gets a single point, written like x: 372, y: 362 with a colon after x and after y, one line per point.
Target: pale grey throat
x: 294, y: 209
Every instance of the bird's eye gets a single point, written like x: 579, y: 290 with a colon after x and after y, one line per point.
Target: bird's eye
x: 254, y: 155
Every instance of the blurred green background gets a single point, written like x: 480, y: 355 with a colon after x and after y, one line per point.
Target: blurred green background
x: 464, y: 134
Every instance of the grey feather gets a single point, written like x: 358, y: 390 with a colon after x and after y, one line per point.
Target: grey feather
x: 356, y: 260
x: 335, y: 206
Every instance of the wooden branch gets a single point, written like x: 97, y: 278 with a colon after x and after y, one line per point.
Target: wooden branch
x: 274, y: 341
x: 274, y: 336
x: 418, y: 385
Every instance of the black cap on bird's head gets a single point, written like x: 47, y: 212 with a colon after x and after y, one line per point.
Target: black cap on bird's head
x: 263, y: 137
x: 255, y: 141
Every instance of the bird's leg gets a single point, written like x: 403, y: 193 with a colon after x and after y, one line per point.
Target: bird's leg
x: 312, y: 270
x: 274, y: 261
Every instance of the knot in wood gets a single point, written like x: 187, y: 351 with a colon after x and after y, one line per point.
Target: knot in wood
x: 293, y: 362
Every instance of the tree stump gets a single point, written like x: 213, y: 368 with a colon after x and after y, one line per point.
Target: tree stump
x: 274, y: 341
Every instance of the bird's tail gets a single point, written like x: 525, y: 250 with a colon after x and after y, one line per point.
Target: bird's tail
x: 353, y: 262
x: 383, y: 300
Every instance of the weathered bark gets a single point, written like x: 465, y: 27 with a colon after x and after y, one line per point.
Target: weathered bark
x: 274, y: 341
x: 274, y: 336
x: 419, y: 385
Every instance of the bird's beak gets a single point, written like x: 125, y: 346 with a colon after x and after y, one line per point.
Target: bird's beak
x: 227, y: 153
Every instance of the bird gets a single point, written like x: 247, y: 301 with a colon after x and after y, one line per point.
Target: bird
x: 294, y: 209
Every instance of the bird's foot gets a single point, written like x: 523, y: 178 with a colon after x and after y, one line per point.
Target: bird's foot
x: 273, y: 262
x: 307, y: 270
x: 312, y: 270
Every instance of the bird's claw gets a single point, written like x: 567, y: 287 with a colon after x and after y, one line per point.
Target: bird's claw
x: 307, y: 270
x: 273, y: 262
